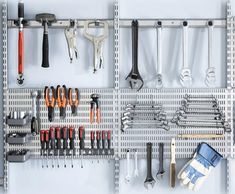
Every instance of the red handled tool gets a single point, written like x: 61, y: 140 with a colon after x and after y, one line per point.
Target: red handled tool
x: 72, y: 142
x: 20, y: 79
x: 58, y: 143
x: 52, y: 143
x: 42, y: 140
x: 47, y: 144
x: 65, y: 138
x: 81, y: 132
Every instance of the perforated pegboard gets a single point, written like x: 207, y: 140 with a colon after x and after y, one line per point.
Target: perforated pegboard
x: 20, y: 99
x: 136, y: 138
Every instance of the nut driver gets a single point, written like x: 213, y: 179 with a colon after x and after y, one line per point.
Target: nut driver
x: 134, y: 78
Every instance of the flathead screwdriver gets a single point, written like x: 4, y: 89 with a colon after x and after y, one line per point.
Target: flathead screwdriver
x: 103, y: 134
x: 109, y: 139
x: 65, y: 142
x: 72, y: 143
x: 42, y: 140
x: 58, y: 143
x: 47, y: 144
x: 52, y: 143
x: 81, y: 132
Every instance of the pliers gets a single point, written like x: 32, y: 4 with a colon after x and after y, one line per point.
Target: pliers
x: 95, y: 102
x: 61, y: 98
x: 50, y: 101
x: 73, y: 102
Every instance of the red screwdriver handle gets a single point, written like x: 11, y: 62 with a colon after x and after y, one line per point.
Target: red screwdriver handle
x: 42, y: 138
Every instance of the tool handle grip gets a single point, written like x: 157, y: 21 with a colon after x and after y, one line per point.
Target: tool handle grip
x: 45, y: 50
x: 20, y: 52
x: 161, y: 153
x: 149, y: 159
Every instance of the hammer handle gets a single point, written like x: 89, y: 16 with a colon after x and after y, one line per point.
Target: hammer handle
x: 45, y: 48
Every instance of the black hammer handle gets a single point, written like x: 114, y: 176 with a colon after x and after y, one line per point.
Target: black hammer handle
x: 45, y: 47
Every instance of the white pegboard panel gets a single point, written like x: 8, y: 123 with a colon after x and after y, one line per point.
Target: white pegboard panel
x: 136, y: 138
x: 19, y: 99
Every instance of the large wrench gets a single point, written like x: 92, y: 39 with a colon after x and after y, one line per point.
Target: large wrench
x: 185, y: 75
x: 134, y: 78
x: 35, y: 95
x: 210, y: 72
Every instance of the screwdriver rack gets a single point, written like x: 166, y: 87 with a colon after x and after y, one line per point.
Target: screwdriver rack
x: 113, y: 100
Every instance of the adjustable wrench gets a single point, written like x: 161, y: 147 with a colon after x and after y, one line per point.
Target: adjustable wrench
x: 134, y: 78
x: 71, y: 37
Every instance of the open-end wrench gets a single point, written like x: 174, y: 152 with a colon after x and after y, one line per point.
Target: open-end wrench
x: 134, y: 78
x: 35, y: 95
x: 136, y: 171
x: 128, y: 175
x: 185, y: 75
x: 210, y: 72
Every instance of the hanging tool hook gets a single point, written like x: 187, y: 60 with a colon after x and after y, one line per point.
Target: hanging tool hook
x: 71, y: 37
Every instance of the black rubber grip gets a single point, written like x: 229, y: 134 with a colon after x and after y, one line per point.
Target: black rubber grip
x: 149, y: 159
x: 45, y: 51
x: 21, y: 10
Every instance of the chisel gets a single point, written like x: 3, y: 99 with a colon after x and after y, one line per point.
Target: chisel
x: 172, y: 165
x: 20, y: 79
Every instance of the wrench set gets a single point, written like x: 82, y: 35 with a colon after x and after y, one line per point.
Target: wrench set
x: 148, y: 115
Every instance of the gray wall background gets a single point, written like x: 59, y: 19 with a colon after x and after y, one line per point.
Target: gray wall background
x: 97, y: 177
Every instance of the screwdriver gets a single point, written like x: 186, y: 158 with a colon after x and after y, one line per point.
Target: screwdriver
x: 42, y: 140
x: 98, y: 142
x: 52, y: 141
x: 103, y: 139
x: 65, y: 142
x: 71, y: 142
x: 47, y: 143
x: 109, y: 142
x: 58, y: 143
x: 81, y: 143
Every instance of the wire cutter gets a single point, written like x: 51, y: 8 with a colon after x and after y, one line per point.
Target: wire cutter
x: 95, y: 102
x: 73, y: 102
x: 61, y: 98
x: 49, y: 96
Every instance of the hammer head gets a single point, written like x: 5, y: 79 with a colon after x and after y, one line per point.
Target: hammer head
x: 45, y: 17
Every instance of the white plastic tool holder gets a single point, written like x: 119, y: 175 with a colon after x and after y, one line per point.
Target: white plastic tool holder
x: 116, y: 98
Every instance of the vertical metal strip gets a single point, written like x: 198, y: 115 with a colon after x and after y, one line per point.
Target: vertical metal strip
x: 116, y: 93
x: 5, y: 91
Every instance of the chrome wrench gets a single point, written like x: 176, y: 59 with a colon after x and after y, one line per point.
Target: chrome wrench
x: 185, y: 75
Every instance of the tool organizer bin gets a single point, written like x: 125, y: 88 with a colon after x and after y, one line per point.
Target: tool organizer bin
x: 113, y: 100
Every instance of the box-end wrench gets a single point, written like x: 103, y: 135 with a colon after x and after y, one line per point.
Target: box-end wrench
x: 134, y: 78
x: 185, y: 75
x: 210, y: 72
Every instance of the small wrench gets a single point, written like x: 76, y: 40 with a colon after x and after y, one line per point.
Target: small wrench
x: 71, y: 37
x: 134, y: 78
x: 35, y: 95
x: 98, y: 42
x: 136, y: 171
x: 128, y: 175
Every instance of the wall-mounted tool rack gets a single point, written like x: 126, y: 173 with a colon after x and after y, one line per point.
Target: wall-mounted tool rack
x: 113, y: 100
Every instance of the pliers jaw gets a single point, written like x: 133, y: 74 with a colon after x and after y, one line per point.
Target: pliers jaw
x: 50, y: 101
x: 73, y: 102
x: 61, y: 98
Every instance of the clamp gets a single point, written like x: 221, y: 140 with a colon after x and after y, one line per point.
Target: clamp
x: 73, y: 102
x: 61, y: 98
x: 50, y: 101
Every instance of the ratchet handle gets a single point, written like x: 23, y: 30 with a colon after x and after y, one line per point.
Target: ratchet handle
x: 45, y: 48
x: 20, y: 52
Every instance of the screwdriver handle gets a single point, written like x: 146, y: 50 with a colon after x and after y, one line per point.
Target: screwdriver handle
x: 92, y: 139
x: 81, y: 131
x: 71, y: 138
x: 109, y: 139
x: 98, y: 139
x: 103, y: 139
x: 42, y: 139
x: 47, y: 139
x: 65, y: 137
x: 52, y: 137
x: 58, y: 137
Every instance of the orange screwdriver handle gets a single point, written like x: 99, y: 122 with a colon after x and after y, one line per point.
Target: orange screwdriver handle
x: 21, y: 53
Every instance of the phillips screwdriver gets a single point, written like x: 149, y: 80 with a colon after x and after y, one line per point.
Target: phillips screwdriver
x: 52, y: 143
x: 92, y: 136
x: 65, y: 143
x: 58, y: 143
x: 104, y: 139
x: 42, y: 140
x: 81, y: 143
x: 72, y: 143
x: 47, y: 144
